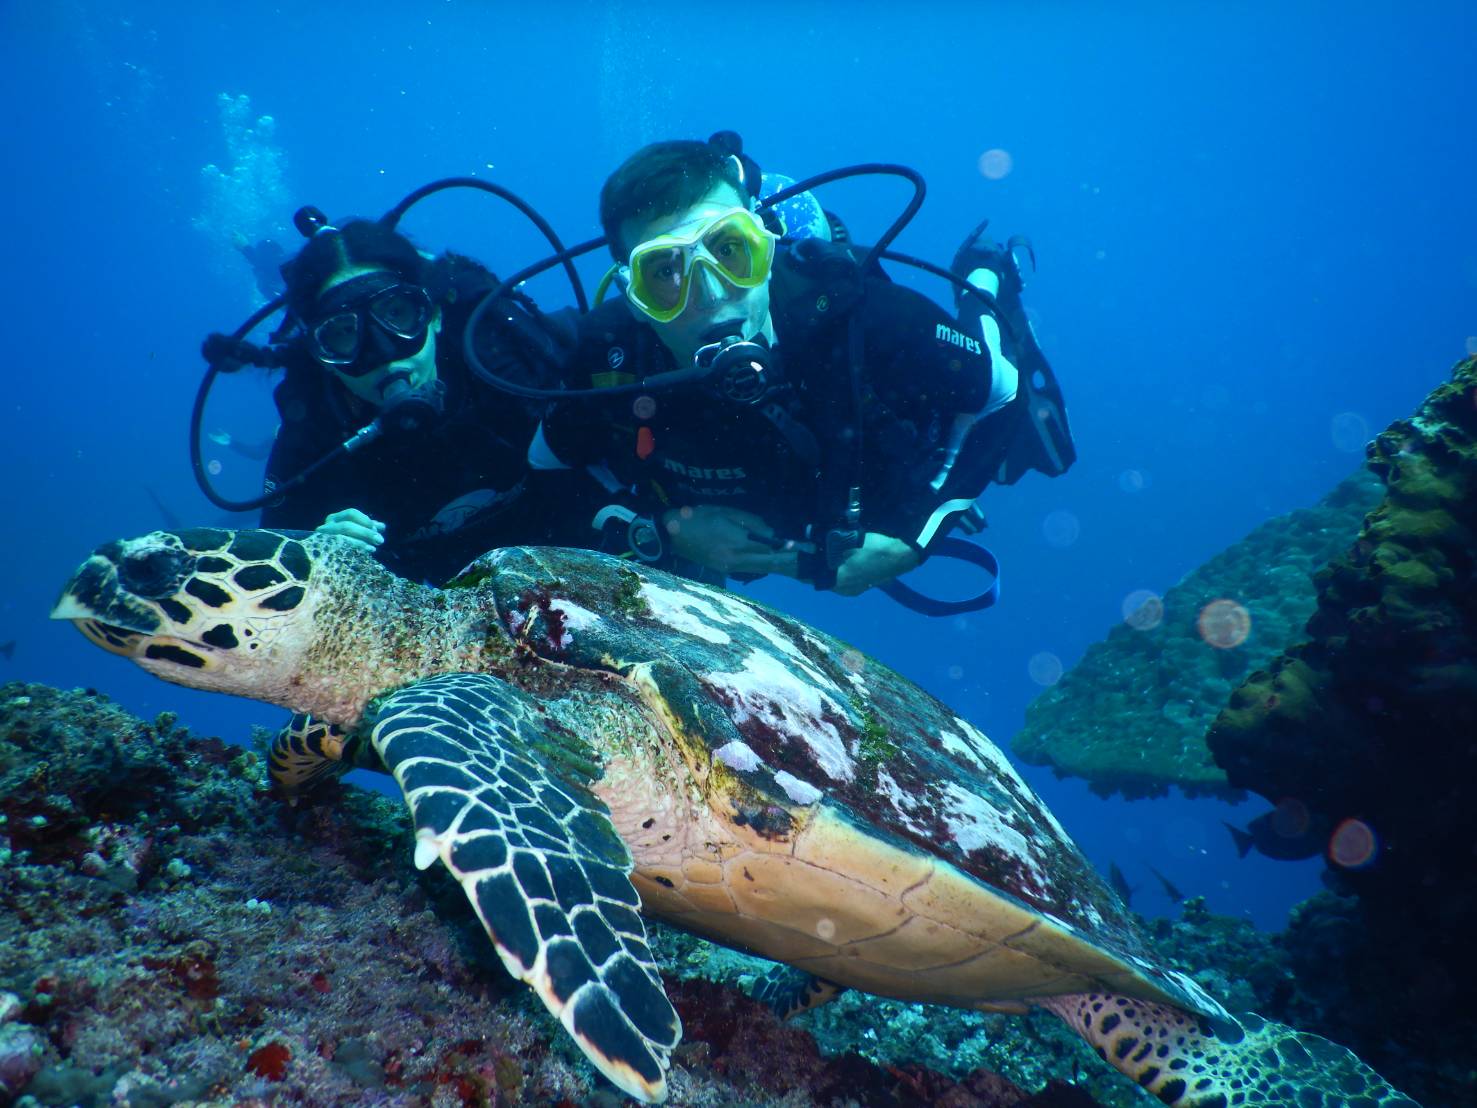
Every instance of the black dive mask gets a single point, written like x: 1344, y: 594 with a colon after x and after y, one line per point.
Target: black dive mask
x: 368, y: 322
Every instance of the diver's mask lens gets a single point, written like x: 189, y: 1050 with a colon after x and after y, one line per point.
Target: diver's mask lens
x: 402, y: 312
x: 734, y: 244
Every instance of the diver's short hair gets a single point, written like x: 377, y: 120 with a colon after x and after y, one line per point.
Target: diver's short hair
x: 359, y: 242
x: 660, y: 178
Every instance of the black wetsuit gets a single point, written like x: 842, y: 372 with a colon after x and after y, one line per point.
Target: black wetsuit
x: 445, y: 495
x: 787, y: 461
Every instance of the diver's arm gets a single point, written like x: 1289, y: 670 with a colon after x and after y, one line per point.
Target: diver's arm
x: 880, y: 558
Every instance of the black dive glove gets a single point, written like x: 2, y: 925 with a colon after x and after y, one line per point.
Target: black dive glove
x: 819, y: 565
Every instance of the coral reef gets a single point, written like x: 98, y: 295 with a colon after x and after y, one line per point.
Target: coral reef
x: 1131, y: 716
x: 1372, y: 728
x: 170, y: 933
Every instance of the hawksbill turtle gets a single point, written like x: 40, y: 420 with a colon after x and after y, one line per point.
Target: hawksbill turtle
x: 582, y: 741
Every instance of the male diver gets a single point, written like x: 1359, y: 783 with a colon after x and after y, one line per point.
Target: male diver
x: 846, y: 425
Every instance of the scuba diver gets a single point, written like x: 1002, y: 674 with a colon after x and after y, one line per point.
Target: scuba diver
x: 373, y: 339
x: 834, y: 426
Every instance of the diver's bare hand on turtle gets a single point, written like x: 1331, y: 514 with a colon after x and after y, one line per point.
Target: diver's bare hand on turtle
x: 354, y: 525
x: 727, y: 539
x: 880, y: 558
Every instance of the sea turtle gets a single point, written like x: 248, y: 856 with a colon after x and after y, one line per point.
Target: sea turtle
x: 579, y: 738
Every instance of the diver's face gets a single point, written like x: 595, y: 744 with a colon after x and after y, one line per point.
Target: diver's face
x: 715, y: 308
x: 419, y: 368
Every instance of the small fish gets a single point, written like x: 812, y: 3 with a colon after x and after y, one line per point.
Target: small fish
x: 8, y: 649
x: 1120, y: 883
x: 1289, y: 833
x: 1169, y: 888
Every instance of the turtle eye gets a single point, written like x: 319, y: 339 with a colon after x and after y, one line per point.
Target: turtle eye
x: 154, y: 574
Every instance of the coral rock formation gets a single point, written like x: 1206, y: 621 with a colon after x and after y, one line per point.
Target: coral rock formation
x: 1372, y: 728
x: 1131, y: 716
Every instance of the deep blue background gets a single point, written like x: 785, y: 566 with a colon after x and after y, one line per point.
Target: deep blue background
x: 1254, y: 225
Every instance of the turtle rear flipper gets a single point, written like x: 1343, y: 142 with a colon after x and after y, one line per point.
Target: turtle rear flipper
x: 538, y: 857
x: 1187, y: 1063
x: 787, y: 991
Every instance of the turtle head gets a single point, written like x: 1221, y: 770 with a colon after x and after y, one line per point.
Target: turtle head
x: 229, y: 611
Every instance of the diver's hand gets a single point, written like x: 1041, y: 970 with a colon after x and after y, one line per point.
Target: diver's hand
x: 728, y: 540
x: 880, y: 558
x: 354, y: 525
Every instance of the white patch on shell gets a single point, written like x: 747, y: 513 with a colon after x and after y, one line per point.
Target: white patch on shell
x: 902, y: 803
x: 575, y: 619
x: 994, y: 760
x: 976, y: 824
x: 724, y: 607
x: 684, y: 612
x: 739, y: 756
x: 766, y: 691
x: 801, y: 792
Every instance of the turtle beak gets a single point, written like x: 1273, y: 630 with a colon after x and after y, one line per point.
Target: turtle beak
x: 102, y: 609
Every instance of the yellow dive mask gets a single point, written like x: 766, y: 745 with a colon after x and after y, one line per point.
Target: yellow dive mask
x: 735, y: 245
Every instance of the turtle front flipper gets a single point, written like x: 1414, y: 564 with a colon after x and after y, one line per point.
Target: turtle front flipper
x: 305, y: 752
x: 488, y: 781
x: 787, y: 991
x: 1187, y: 1063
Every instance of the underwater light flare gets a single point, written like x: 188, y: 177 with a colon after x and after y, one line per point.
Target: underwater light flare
x: 996, y: 164
x: 1045, y: 668
x: 1349, y: 431
x: 1061, y: 528
x: 214, y: 467
x: 1143, y: 610
x: 1132, y: 480
x: 1353, y: 844
x: 1471, y: 345
x: 644, y: 407
x: 1224, y: 624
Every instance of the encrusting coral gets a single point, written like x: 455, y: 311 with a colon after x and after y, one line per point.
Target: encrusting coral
x: 170, y: 933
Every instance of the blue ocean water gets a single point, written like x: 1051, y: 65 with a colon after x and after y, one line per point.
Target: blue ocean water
x: 1254, y: 223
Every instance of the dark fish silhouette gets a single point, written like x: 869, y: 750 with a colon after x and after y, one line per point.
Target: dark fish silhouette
x: 8, y: 649
x: 1289, y: 833
x: 1169, y: 887
x: 172, y: 522
x: 1120, y: 883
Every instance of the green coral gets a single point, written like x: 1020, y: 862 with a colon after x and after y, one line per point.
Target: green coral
x: 476, y: 574
x: 873, y: 746
x: 628, y: 599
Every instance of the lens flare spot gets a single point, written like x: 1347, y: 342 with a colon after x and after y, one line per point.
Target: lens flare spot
x: 1045, y: 668
x: 996, y: 164
x: 1143, y: 610
x: 825, y: 928
x: 644, y: 407
x: 214, y: 467
x: 1291, y: 818
x: 1349, y: 431
x: 1132, y: 480
x: 1224, y: 624
x: 956, y: 672
x: 1471, y: 345
x: 1353, y: 844
x: 1061, y: 528
x: 854, y: 660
